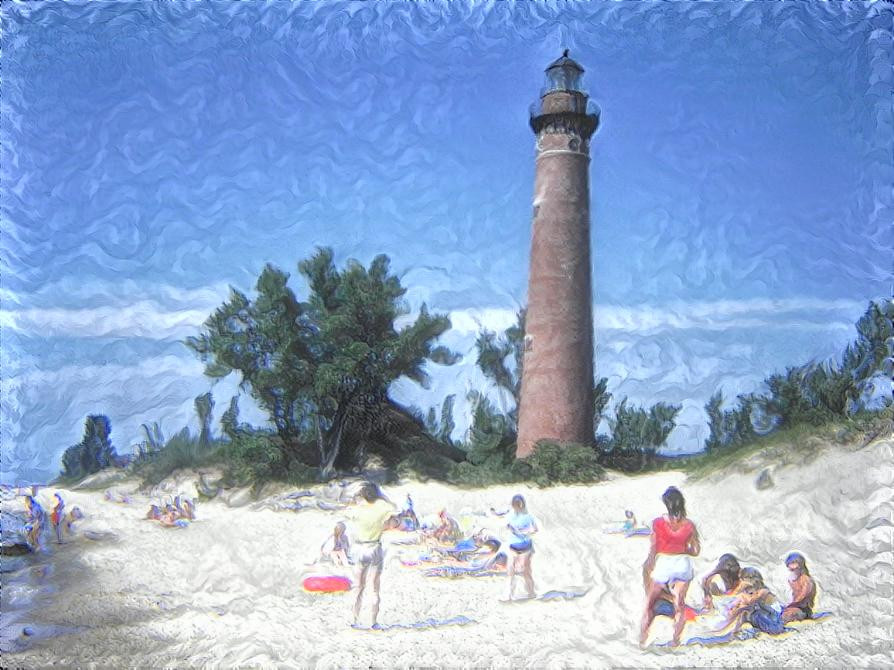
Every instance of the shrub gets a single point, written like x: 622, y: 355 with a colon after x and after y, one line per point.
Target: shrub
x: 93, y: 453
x: 554, y: 463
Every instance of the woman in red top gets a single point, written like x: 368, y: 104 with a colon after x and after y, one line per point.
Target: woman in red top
x: 674, y: 541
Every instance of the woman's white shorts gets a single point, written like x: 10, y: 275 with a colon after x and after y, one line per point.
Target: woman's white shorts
x: 672, y: 568
x: 368, y: 553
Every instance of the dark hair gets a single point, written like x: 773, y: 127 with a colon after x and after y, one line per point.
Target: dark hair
x: 728, y: 563
x: 795, y: 557
x: 369, y: 492
x: 673, y: 500
x: 519, y: 501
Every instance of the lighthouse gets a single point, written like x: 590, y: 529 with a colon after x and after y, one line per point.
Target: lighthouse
x: 557, y: 375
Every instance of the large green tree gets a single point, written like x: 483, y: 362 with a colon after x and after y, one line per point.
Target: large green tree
x: 321, y: 368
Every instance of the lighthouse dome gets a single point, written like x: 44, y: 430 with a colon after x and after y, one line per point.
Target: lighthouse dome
x: 564, y: 74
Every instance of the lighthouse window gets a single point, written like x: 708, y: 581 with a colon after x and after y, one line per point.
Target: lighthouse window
x: 529, y: 342
x: 574, y: 144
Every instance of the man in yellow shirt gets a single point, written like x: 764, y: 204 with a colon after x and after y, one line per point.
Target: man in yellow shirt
x: 372, y: 517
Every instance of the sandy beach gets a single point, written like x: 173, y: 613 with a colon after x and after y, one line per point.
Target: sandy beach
x: 226, y: 591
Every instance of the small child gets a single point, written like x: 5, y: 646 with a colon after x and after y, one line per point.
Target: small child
x: 337, y: 545
x: 629, y: 522
x: 803, y: 590
x: 755, y: 604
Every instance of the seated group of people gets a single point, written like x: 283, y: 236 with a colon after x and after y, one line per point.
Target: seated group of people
x: 176, y: 514
x: 746, y: 598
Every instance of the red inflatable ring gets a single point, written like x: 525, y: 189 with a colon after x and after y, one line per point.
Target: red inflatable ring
x: 326, y: 584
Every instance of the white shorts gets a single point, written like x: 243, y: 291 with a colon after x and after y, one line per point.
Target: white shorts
x: 368, y: 553
x: 672, y: 568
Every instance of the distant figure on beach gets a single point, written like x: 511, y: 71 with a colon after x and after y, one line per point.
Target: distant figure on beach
x: 448, y: 530
x: 755, y: 604
x: 408, y: 520
x: 629, y: 524
x: 727, y: 570
x: 373, y: 516
x: 337, y: 545
x: 154, y: 513
x: 522, y: 526
x: 803, y: 590
x: 57, y: 517
x: 674, y: 540
x: 35, y: 522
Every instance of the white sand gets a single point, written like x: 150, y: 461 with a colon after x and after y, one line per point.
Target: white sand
x: 225, y: 592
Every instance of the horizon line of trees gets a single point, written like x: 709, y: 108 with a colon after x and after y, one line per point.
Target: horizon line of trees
x: 321, y: 367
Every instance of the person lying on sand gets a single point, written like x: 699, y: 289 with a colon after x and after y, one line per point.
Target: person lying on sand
x: 727, y: 570
x: 803, y: 590
x: 756, y: 604
x: 490, y: 560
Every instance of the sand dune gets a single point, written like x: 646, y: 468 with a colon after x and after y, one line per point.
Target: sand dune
x: 225, y: 592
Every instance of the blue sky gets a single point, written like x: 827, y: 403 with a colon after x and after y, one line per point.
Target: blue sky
x: 155, y: 153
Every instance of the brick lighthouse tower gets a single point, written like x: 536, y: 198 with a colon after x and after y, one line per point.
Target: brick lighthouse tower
x: 557, y: 376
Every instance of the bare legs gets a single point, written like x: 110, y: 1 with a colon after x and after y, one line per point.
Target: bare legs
x: 361, y: 587
x: 652, y: 594
x: 521, y: 564
x: 678, y: 589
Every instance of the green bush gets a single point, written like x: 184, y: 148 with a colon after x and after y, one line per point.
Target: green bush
x: 554, y: 463
x: 183, y: 451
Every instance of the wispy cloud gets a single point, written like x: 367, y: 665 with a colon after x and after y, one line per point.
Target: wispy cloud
x: 796, y: 314
x: 176, y: 313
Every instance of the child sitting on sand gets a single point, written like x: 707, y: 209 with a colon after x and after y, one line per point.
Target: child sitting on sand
x: 803, y: 590
x: 755, y: 604
x: 337, y: 546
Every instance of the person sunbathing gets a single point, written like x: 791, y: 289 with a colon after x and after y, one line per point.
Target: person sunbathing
x: 489, y: 560
x: 803, y: 590
x: 755, y: 604
x: 727, y: 570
